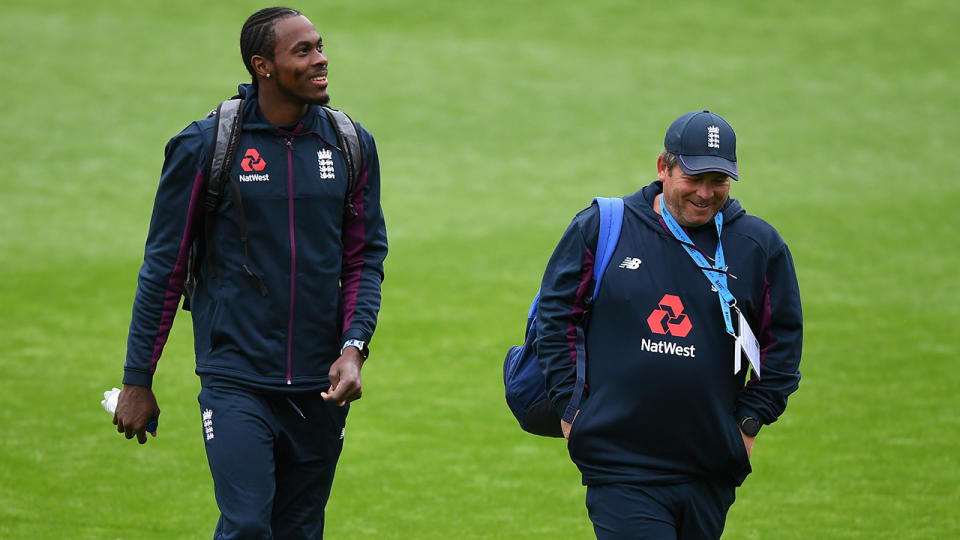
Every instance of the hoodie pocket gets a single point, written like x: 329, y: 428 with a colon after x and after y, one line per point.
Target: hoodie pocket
x: 212, y: 335
x: 578, y: 425
x: 739, y: 451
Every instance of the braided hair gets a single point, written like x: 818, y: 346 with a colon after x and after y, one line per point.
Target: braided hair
x: 257, y: 37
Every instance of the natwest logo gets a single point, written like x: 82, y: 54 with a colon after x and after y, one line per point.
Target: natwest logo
x: 252, y: 161
x: 669, y: 318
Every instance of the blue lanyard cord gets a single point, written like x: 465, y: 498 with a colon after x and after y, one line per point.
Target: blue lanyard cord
x: 694, y: 246
x: 716, y: 273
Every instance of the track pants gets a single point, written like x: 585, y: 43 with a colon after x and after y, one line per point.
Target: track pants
x: 693, y: 510
x: 272, y: 457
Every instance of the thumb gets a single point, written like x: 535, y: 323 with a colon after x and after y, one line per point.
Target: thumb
x: 327, y: 394
x: 334, y: 380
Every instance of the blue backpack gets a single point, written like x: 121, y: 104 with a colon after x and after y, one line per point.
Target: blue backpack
x: 525, y: 385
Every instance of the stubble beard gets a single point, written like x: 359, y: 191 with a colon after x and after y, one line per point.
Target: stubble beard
x: 319, y: 101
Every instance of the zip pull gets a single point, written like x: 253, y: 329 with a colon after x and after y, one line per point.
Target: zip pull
x: 351, y: 209
x: 289, y: 143
x: 263, y: 286
x: 294, y: 405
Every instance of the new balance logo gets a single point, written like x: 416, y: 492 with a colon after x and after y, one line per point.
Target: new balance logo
x: 630, y: 263
x: 208, y: 424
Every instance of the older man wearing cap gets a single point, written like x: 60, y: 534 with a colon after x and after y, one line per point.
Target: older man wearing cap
x: 692, y: 345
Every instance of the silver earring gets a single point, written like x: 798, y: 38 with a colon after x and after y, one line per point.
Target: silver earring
x: 268, y: 75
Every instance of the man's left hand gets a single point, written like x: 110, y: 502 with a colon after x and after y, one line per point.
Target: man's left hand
x: 748, y: 443
x: 344, y: 377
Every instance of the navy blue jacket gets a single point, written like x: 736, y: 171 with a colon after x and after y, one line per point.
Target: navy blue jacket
x: 662, y: 397
x: 321, y: 266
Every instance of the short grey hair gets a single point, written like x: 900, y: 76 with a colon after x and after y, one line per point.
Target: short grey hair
x: 669, y: 159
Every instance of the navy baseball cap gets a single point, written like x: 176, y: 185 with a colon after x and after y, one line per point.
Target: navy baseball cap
x: 703, y: 142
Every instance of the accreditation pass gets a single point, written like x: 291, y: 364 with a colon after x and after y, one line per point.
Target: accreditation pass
x: 748, y: 344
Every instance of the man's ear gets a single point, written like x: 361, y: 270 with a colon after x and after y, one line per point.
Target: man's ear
x: 662, y: 169
x: 261, y: 66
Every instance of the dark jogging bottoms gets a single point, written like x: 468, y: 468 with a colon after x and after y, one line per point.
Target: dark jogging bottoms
x: 272, y: 457
x: 689, y: 511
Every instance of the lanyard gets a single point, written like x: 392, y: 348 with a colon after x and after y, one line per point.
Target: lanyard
x: 717, y: 279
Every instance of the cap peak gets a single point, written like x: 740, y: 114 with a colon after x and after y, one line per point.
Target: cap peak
x: 703, y: 142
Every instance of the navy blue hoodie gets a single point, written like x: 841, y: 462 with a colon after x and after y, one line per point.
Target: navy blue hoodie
x: 662, y: 397
x: 320, y: 266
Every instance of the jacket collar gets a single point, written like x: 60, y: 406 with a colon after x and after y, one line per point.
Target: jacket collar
x: 643, y: 206
x: 253, y: 118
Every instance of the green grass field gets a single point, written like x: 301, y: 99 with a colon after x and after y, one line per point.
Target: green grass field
x: 496, y: 122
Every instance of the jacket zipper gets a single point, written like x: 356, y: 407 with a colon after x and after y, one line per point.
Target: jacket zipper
x: 293, y: 256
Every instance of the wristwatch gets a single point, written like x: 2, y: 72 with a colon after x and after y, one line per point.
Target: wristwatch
x: 750, y: 426
x: 360, y: 345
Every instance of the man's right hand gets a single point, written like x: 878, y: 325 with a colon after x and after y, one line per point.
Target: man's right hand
x: 136, y: 406
x: 565, y: 427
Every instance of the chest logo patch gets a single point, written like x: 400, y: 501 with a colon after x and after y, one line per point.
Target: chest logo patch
x: 325, y: 163
x: 252, y: 161
x: 669, y: 318
x: 630, y: 263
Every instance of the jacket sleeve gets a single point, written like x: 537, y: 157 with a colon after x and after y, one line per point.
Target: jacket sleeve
x: 564, y: 293
x: 160, y: 282
x: 780, y: 334
x: 364, y: 249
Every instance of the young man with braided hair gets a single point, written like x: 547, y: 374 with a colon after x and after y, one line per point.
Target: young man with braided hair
x: 281, y: 318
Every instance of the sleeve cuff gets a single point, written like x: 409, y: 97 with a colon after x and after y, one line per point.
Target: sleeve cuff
x: 744, y: 411
x: 562, y: 406
x: 354, y: 334
x: 138, y: 378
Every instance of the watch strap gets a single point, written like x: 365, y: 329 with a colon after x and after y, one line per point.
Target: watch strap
x: 360, y: 345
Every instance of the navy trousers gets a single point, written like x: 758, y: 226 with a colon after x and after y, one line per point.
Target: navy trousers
x: 694, y: 510
x: 272, y: 457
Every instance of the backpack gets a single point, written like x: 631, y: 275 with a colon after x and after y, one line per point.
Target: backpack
x: 523, y: 380
x: 226, y: 139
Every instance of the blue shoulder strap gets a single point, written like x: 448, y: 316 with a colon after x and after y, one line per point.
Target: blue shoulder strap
x: 611, y: 220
